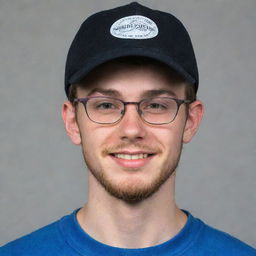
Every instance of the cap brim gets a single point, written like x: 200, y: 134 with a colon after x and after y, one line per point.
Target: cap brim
x: 116, y: 53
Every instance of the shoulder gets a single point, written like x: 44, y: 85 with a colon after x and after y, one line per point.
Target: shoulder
x: 217, y: 242
x: 39, y: 242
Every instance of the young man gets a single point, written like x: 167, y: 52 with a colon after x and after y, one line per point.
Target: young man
x: 131, y: 80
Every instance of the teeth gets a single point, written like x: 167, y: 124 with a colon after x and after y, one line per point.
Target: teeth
x: 131, y: 157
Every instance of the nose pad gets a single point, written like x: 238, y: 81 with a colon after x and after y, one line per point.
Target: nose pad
x: 131, y: 128
x: 138, y: 111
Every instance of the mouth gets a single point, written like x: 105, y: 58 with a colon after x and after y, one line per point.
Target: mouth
x: 132, y: 160
x: 131, y: 156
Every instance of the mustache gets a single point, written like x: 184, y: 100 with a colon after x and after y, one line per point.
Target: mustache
x: 108, y: 149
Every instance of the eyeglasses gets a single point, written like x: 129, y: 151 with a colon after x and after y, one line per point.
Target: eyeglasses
x: 108, y: 110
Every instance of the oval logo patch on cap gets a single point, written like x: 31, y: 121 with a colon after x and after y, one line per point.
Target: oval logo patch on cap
x: 134, y: 27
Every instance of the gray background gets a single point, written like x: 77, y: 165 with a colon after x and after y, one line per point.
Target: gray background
x: 42, y: 173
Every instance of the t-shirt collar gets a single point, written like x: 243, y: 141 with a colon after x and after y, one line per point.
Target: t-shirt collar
x: 83, y: 243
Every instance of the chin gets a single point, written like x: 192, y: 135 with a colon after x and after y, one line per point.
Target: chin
x: 132, y: 185
x: 131, y: 188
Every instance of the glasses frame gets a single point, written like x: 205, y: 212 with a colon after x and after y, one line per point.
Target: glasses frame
x: 84, y: 101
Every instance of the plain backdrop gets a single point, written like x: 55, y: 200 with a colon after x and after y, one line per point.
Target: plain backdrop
x: 43, y: 176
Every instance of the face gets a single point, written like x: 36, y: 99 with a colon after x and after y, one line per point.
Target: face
x: 155, y: 149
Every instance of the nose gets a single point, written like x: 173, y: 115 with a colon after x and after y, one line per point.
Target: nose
x: 131, y: 128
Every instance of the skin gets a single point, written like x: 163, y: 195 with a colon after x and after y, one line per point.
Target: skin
x: 131, y: 206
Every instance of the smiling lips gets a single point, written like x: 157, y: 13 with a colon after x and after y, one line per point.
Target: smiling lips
x: 131, y: 156
x: 132, y: 160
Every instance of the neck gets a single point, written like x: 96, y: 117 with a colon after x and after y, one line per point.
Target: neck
x: 116, y: 223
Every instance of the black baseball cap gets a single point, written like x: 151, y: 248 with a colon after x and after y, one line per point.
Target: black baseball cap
x: 131, y: 30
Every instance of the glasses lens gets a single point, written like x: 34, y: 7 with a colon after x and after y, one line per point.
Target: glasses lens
x: 104, y: 110
x: 158, y: 110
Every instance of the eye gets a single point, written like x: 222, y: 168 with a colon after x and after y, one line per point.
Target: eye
x: 159, y: 105
x: 105, y: 105
x: 155, y: 105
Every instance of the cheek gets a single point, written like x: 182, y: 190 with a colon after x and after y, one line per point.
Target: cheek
x: 172, y: 144
x: 93, y: 137
x: 169, y: 136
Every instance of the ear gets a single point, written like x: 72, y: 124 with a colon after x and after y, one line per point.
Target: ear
x: 69, y: 118
x: 195, y: 114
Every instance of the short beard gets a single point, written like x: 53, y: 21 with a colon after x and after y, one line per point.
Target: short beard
x: 133, y: 195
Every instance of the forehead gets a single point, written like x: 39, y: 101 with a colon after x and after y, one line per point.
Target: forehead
x: 130, y: 80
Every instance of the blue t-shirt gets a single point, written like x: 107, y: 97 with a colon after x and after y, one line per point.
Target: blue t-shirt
x: 65, y: 237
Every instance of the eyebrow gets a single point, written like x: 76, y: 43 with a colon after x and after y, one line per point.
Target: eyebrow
x: 157, y: 92
x: 108, y: 92
x: 145, y: 94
